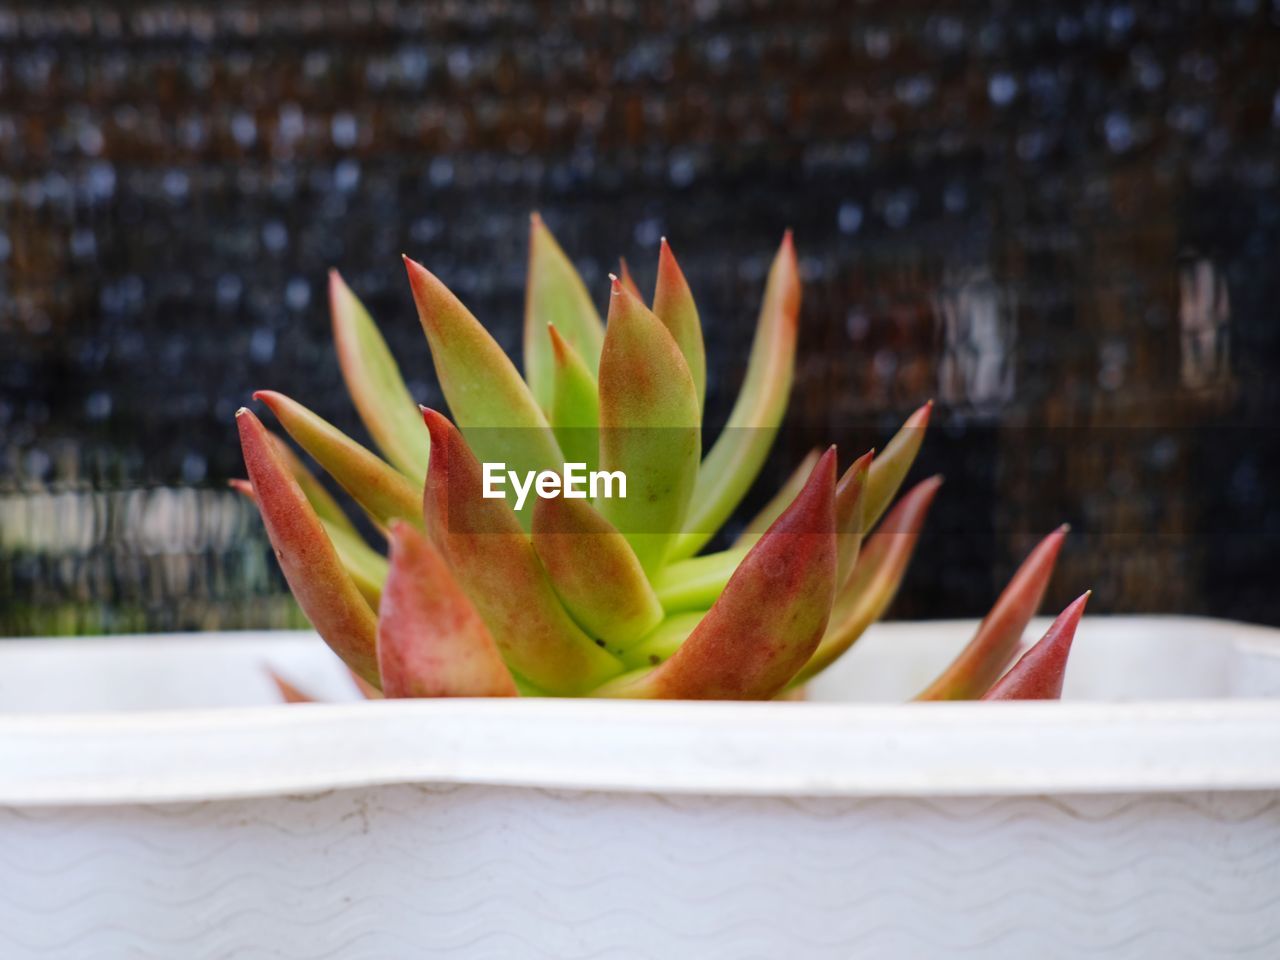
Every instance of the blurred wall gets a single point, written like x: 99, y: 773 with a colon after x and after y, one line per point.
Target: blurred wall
x: 1061, y: 220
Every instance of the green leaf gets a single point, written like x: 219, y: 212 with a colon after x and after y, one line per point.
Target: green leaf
x: 673, y: 305
x: 739, y: 452
x: 594, y: 572
x: 650, y: 427
x: 366, y: 567
x: 893, y: 463
x: 491, y: 403
x: 493, y: 561
x: 381, y: 490
x: 851, y: 514
x: 389, y: 413
x: 575, y: 404
x: 555, y: 294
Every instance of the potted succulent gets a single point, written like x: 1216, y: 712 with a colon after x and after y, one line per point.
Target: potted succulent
x: 495, y: 804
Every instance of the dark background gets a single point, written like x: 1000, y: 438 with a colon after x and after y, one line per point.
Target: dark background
x: 1061, y: 220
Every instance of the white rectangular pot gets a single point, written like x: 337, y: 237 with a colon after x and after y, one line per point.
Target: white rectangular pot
x: 153, y: 803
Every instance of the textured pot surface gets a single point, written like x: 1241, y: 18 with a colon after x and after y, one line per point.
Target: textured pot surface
x: 1122, y: 828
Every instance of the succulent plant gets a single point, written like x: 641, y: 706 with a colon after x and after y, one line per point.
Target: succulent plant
x: 499, y: 595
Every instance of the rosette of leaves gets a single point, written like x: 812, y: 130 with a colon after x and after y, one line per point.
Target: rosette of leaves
x: 613, y: 597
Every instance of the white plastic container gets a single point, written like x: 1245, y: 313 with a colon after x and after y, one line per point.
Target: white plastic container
x: 154, y: 803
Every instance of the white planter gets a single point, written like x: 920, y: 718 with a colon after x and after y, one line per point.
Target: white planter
x: 1140, y: 819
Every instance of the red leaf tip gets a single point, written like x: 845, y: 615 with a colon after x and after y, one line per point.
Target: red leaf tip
x: 438, y: 426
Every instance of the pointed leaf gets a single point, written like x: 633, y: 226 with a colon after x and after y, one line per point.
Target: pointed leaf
x: 493, y: 561
x: 673, y: 305
x: 366, y: 567
x: 875, y: 578
x: 851, y: 520
x: 492, y: 405
x: 383, y: 492
x: 893, y: 463
x: 650, y: 427
x: 986, y: 656
x: 310, y: 563
x: 325, y: 506
x: 431, y: 640
x: 555, y: 294
x: 374, y: 382
x: 695, y: 583
x: 575, y: 404
x: 739, y: 452
x: 779, y: 502
x: 1040, y: 672
x: 628, y: 281
x: 594, y: 572
x: 288, y: 692
x: 770, y: 617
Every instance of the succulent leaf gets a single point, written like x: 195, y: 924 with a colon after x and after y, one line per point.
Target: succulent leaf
x: 673, y: 305
x: 893, y: 462
x: 779, y: 501
x: 381, y: 490
x: 628, y: 281
x: 322, y: 501
x: 555, y: 294
x: 367, y: 567
x: 288, y: 692
x: 770, y: 617
x: 851, y: 519
x: 315, y: 574
x: 375, y: 384
x: 995, y: 644
x: 695, y: 583
x: 739, y: 452
x: 594, y: 571
x: 575, y: 404
x: 875, y: 578
x: 491, y: 403
x: 431, y: 640
x: 650, y: 427
x: 1038, y: 675
x: 495, y: 564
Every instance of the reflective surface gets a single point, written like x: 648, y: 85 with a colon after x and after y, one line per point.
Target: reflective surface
x: 1063, y: 222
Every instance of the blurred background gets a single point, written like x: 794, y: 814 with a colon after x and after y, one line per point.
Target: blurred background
x: 1061, y: 220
